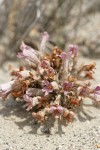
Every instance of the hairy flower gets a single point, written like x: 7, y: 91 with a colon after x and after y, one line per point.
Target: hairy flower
x: 64, y: 55
x: 31, y: 102
x: 48, y: 88
x: 45, y: 64
x: 6, y: 88
x: 67, y: 86
x: 50, y: 72
x: 96, y: 90
x: 73, y: 50
x: 46, y: 70
x: 83, y: 91
x: 28, y: 53
x: 96, y: 94
x: 45, y: 38
x: 51, y: 84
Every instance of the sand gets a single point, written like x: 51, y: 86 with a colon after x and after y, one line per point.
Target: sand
x: 18, y: 131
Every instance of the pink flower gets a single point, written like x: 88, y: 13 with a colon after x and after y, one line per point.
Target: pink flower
x: 50, y: 72
x: 47, y: 87
x: 67, y: 87
x: 56, y: 110
x: 64, y: 55
x: 6, y: 87
x: 31, y: 102
x: 45, y: 38
x: 73, y: 50
x: 28, y: 53
x: 97, y: 90
x: 83, y: 91
x: 45, y: 64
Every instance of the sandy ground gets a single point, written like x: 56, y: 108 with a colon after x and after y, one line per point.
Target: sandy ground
x: 19, y: 132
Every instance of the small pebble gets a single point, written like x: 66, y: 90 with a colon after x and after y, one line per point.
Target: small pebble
x: 45, y: 130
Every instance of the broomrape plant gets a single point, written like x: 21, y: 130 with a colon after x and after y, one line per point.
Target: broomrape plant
x: 53, y: 83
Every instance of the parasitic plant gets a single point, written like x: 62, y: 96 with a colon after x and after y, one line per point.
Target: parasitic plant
x: 52, y: 83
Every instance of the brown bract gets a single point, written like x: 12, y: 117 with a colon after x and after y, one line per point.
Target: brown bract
x: 51, y: 84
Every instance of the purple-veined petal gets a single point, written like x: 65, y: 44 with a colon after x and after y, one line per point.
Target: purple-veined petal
x: 31, y: 56
x: 28, y: 53
x: 28, y: 48
x: 20, y: 55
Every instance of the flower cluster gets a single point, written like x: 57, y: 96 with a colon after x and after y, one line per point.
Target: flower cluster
x: 51, y: 84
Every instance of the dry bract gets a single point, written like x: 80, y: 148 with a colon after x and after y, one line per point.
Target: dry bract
x: 56, y: 86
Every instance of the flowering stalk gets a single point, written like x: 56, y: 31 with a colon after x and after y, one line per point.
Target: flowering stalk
x: 52, y: 84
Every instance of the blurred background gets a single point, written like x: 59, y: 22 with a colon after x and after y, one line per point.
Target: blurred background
x: 67, y: 21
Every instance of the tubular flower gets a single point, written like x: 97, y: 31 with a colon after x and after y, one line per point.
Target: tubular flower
x: 67, y: 87
x: 49, y: 74
x: 73, y: 50
x: 83, y: 91
x: 48, y: 88
x: 51, y: 84
x: 28, y: 53
x: 64, y: 55
x: 31, y: 102
x: 96, y: 93
x: 45, y: 38
x: 96, y: 90
x: 45, y: 64
x: 6, y: 88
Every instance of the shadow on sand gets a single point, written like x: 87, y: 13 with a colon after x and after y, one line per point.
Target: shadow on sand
x: 24, y: 118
